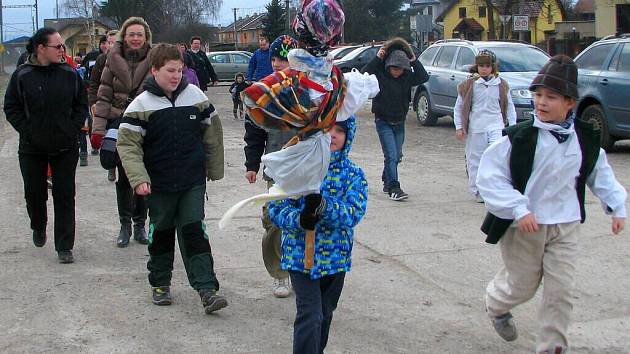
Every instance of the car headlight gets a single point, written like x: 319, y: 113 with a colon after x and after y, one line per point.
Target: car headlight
x: 522, y: 94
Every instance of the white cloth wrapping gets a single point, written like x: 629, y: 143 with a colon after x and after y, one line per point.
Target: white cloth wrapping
x: 301, y: 168
x: 359, y: 88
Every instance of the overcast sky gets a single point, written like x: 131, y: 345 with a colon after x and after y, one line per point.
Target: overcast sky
x: 18, y: 22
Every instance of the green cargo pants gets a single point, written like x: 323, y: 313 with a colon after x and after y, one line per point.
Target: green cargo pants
x: 182, y: 211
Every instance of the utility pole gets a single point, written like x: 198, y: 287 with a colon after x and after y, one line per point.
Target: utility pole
x: 1, y: 39
x: 57, y: 8
x: 235, y: 34
x: 36, y: 16
x: 288, y: 14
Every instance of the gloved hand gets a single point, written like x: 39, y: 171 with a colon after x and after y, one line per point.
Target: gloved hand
x: 96, y: 140
x: 314, y: 206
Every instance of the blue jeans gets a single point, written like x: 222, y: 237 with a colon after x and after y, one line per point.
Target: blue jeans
x: 392, y: 137
x: 315, y: 299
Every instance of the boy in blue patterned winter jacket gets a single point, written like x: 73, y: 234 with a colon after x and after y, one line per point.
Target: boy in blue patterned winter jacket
x: 333, y: 214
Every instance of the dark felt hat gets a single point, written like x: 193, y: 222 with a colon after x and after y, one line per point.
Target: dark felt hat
x: 559, y: 75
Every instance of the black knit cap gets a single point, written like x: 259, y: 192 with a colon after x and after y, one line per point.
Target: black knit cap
x: 559, y: 75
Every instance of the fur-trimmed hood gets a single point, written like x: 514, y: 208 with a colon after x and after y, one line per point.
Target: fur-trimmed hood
x: 397, y: 44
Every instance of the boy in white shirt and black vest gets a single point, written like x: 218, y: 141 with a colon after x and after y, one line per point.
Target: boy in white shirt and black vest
x: 533, y: 183
x: 483, y: 108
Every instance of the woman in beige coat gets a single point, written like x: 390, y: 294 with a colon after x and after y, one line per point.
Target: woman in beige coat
x: 126, y: 68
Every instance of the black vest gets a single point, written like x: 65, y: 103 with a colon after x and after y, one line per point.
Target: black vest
x: 524, y: 137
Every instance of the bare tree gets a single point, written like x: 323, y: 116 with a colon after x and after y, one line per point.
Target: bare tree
x: 85, y: 10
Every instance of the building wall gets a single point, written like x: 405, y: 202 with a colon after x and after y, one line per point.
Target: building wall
x: 606, y: 16
x: 538, y: 26
x: 77, y: 39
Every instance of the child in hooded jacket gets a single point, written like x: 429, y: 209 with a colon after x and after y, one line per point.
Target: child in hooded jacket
x: 238, y: 86
x: 333, y: 214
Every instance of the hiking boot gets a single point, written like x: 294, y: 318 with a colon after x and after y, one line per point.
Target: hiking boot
x: 94, y: 152
x: 397, y: 194
x: 111, y: 175
x: 83, y: 161
x: 281, y: 288
x: 161, y: 295
x: 65, y: 257
x: 211, y: 301
x: 505, y: 327
x: 139, y: 234
x: 39, y: 238
x: 124, y: 235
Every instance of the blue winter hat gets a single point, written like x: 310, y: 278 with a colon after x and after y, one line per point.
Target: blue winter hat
x: 281, y: 46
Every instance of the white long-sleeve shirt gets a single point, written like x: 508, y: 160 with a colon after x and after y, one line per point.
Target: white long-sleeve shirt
x: 485, y: 113
x: 550, y: 193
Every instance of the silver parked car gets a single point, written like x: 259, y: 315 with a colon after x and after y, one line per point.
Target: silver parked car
x: 448, y: 63
x: 227, y: 64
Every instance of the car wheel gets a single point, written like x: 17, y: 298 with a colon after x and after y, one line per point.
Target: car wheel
x: 424, y: 114
x: 594, y: 114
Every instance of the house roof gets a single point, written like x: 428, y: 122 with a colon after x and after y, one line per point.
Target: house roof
x: 585, y: 7
x: 246, y: 23
x: 19, y: 40
x: 468, y: 23
x: 531, y: 8
x: 61, y: 23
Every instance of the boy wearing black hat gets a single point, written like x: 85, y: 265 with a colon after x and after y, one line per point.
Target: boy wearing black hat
x: 483, y: 108
x: 393, y: 69
x: 259, y: 142
x: 533, y: 183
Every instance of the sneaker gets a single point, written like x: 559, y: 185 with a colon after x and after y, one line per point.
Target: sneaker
x: 505, y: 327
x: 39, y: 238
x: 397, y: 194
x: 211, y: 301
x: 478, y: 198
x: 281, y: 288
x: 65, y: 257
x: 161, y: 295
x: 111, y: 175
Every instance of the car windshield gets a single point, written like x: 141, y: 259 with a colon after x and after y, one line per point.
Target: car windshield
x: 355, y: 53
x: 519, y: 59
x: 341, y: 52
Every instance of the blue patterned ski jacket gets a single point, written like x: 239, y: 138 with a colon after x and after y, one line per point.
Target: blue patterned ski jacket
x: 345, y: 190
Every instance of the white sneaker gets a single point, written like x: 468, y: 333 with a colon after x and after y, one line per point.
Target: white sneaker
x: 281, y: 288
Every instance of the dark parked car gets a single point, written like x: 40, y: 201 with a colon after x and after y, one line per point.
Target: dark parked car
x: 360, y: 56
x: 448, y: 63
x: 603, y: 85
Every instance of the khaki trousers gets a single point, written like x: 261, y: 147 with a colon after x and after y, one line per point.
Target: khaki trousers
x: 272, y: 245
x: 548, y: 254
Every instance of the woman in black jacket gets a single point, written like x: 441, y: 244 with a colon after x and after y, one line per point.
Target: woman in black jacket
x: 47, y: 104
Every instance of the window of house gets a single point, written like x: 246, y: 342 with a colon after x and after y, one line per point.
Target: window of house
x: 482, y: 11
x: 462, y: 12
x: 430, y: 10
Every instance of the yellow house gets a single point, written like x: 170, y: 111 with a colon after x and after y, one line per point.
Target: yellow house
x: 611, y: 17
x: 469, y: 19
x: 75, y: 32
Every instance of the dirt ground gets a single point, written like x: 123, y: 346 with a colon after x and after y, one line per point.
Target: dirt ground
x: 419, y: 273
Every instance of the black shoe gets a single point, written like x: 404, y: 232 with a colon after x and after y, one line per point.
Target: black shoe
x: 111, y: 175
x: 65, y: 257
x: 124, y: 235
x: 385, y: 189
x: 94, y: 152
x: 397, y: 194
x: 211, y: 301
x: 162, y: 295
x: 39, y: 238
x: 83, y: 161
x: 139, y: 234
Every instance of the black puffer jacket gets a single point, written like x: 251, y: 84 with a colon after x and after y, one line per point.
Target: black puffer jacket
x: 47, y: 105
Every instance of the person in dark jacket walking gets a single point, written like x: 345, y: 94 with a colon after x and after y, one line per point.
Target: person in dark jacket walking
x: 393, y: 66
x: 260, y: 63
x: 236, y: 88
x: 202, y: 66
x: 46, y: 103
x: 89, y: 60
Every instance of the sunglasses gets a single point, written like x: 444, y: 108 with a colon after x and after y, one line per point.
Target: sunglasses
x: 58, y: 46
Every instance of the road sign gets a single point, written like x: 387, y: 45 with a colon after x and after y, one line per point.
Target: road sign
x: 521, y: 23
x: 505, y: 18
